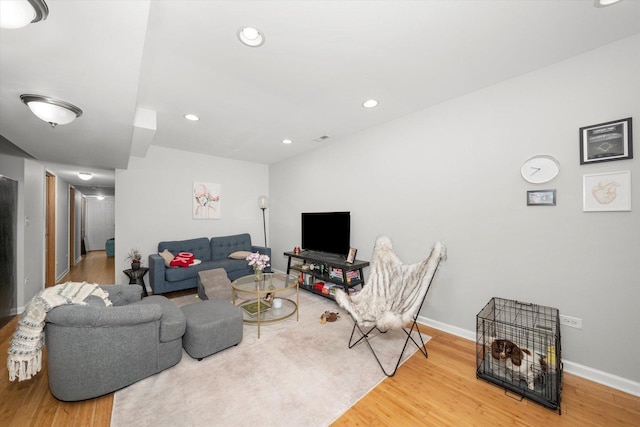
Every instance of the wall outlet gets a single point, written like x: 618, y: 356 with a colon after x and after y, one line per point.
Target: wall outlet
x: 572, y: 322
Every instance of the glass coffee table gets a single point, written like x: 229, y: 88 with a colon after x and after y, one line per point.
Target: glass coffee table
x: 265, y: 299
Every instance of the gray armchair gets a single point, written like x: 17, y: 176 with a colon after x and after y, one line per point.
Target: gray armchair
x: 93, y: 350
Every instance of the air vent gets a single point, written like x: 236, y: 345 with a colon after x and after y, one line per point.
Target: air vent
x: 321, y: 138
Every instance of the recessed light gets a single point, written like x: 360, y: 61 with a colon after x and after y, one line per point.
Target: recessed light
x: 191, y: 117
x: 250, y: 36
x: 287, y: 141
x: 370, y: 103
x: 85, y: 176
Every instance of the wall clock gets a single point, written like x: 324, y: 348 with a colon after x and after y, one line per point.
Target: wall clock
x: 540, y: 168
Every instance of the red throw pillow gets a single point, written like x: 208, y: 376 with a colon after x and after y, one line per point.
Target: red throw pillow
x: 183, y: 259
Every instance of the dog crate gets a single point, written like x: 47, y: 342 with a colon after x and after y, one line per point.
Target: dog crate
x: 506, y: 331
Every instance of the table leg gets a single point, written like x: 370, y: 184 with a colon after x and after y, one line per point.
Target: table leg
x: 259, y: 298
x: 140, y: 281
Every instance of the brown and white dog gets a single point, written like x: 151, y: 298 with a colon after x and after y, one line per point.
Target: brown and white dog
x: 520, y: 361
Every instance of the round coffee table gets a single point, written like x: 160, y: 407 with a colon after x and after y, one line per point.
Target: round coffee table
x: 264, y: 305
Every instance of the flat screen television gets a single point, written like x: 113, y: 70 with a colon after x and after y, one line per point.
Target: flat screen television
x: 326, y: 232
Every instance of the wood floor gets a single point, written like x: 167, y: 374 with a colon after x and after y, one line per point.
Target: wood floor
x: 439, y: 391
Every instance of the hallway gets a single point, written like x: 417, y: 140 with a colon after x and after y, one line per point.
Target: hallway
x: 95, y: 267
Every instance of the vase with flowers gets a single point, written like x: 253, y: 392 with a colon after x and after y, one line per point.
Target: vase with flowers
x: 135, y: 257
x: 259, y: 262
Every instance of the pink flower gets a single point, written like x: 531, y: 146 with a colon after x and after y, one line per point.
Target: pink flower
x: 258, y: 261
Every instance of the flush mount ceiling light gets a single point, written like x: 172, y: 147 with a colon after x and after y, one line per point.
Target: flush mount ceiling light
x: 85, y: 176
x: 370, y: 103
x: 191, y: 117
x: 51, y: 110
x: 605, y: 3
x: 20, y: 13
x: 287, y: 141
x: 250, y: 36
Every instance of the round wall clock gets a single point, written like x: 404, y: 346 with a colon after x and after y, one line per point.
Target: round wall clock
x: 540, y: 168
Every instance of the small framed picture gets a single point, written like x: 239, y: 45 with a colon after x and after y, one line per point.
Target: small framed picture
x: 606, y: 141
x: 541, y: 198
x: 351, y: 256
x: 607, y: 192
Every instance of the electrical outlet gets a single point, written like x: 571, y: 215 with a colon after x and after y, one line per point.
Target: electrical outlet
x: 572, y: 322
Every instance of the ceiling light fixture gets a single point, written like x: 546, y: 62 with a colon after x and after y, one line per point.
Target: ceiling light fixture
x: 250, y: 36
x: 85, y: 176
x: 191, y: 117
x: 370, y: 103
x: 51, y: 110
x: 605, y: 3
x: 20, y: 13
x: 287, y: 141
x: 100, y: 197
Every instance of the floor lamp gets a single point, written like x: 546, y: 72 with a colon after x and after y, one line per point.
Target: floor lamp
x: 263, y: 203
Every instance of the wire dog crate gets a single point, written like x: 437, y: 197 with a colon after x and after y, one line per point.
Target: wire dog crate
x: 518, y: 348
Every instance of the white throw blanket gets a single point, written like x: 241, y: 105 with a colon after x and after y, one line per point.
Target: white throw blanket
x: 25, y: 352
x: 394, y: 291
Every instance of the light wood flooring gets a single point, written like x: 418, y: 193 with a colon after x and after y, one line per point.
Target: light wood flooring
x: 439, y: 391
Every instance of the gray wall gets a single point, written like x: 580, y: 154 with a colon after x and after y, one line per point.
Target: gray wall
x: 452, y: 173
x: 30, y: 234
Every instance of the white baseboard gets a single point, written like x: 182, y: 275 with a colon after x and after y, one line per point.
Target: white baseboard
x: 604, y: 378
x: 600, y: 377
x: 64, y: 273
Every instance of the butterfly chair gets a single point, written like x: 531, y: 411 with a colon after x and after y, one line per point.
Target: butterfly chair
x: 392, y: 296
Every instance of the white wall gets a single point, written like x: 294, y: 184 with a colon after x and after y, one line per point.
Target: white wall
x: 451, y: 173
x: 62, y: 228
x: 34, y: 209
x: 100, y: 222
x: 154, y: 201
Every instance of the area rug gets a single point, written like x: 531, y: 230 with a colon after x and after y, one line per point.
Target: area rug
x: 298, y: 373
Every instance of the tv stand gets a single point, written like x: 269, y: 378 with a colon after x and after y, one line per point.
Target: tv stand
x: 329, y: 263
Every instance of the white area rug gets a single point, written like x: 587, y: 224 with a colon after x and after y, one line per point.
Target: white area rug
x: 297, y: 374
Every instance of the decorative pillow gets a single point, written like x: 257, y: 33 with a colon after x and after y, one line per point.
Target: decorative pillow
x: 240, y: 255
x: 183, y: 259
x: 168, y: 257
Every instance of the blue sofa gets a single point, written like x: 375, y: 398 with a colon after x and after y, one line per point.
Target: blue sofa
x: 214, y: 253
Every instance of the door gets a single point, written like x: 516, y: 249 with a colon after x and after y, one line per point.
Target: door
x: 72, y: 226
x: 50, y: 231
x: 8, y: 249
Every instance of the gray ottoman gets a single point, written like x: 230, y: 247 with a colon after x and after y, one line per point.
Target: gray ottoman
x: 212, y: 326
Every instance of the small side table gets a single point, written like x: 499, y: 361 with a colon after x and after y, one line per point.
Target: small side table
x: 136, y: 277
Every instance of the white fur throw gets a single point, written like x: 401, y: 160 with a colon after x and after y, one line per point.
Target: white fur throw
x: 25, y: 352
x: 394, y: 291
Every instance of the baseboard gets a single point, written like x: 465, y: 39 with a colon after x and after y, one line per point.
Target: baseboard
x: 64, y: 273
x: 604, y: 378
x: 600, y: 377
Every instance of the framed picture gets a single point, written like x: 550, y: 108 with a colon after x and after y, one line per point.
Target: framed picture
x: 607, y: 192
x: 351, y: 256
x: 541, y: 198
x: 606, y: 142
x: 206, y: 200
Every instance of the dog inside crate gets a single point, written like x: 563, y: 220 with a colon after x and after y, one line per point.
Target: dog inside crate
x: 517, y: 347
